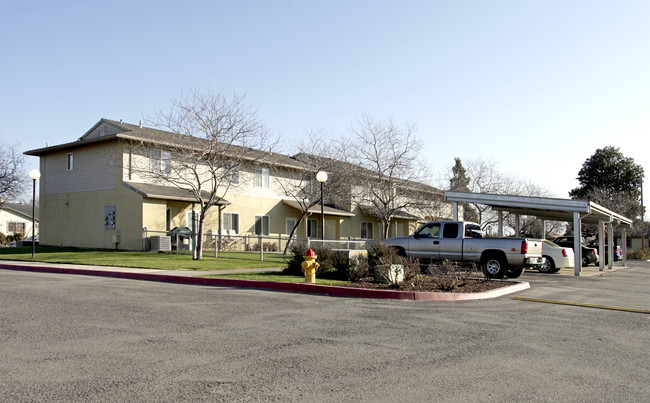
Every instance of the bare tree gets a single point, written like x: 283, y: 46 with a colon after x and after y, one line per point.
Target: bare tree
x: 13, y: 180
x: 215, y: 137
x: 392, y: 168
x: 317, y: 152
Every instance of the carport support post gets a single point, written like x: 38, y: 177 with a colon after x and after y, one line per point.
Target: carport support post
x: 601, y: 245
x: 500, y: 213
x: 454, y: 209
x: 517, y: 225
x: 577, y: 247
x: 610, y: 245
x: 624, y: 246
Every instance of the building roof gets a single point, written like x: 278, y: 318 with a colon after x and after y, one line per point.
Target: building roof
x: 20, y: 209
x: 316, y: 209
x: 127, y: 131
x: 348, y: 166
x: 169, y: 193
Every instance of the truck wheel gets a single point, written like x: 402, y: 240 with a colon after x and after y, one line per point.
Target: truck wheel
x: 400, y: 252
x: 548, y: 266
x: 515, y: 272
x: 495, y: 266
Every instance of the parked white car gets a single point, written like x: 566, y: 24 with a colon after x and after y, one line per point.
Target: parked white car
x: 557, y: 257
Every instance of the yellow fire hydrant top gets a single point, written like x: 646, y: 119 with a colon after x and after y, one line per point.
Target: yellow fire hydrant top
x: 309, y: 266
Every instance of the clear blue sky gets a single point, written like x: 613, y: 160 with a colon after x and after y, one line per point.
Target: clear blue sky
x: 536, y: 85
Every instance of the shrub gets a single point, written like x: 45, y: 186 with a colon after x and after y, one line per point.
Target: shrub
x: 324, y: 256
x: 450, y: 276
x: 639, y: 254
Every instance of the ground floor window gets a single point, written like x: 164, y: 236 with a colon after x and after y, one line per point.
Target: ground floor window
x: 312, y: 228
x: 367, y: 230
x: 262, y: 224
x: 15, y: 227
x: 291, y: 222
x: 230, y: 223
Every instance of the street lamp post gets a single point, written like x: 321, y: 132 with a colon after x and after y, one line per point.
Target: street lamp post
x: 321, y: 176
x: 35, y: 175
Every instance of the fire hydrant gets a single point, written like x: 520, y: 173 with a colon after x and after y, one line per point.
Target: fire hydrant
x: 309, y: 266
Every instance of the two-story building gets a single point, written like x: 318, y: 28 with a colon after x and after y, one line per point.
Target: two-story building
x: 104, y: 191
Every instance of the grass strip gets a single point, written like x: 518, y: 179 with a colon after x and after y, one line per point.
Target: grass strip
x: 146, y: 260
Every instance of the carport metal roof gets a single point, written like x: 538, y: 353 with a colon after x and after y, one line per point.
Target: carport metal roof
x: 543, y: 207
x: 576, y: 211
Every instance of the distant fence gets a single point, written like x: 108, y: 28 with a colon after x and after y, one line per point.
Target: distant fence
x: 215, y: 243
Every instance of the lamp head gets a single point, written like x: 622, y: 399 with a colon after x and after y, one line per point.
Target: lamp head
x: 34, y: 174
x: 321, y: 176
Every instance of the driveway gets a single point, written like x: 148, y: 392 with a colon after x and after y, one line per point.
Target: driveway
x: 68, y: 337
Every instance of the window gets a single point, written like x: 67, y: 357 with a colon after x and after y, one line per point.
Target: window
x: 312, y: 228
x: 232, y: 172
x: 291, y: 222
x: 431, y: 230
x: 16, y: 227
x: 450, y: 230
x: 230, y: 223
x: 366, y: 230
x: 161, y: 162
x: 262, y: 225
x: 261, y: 177
x: 109, y: 217
x: 70, y: 161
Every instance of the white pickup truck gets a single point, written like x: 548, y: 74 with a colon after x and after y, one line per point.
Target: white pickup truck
x: 463, y: 242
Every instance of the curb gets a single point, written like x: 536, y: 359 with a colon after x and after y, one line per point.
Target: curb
x: 332, y: 291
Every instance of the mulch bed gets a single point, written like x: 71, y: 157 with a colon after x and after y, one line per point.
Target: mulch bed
x: 431, y: 284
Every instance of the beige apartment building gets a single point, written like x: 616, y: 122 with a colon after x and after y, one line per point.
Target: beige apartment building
x: 95, y: 192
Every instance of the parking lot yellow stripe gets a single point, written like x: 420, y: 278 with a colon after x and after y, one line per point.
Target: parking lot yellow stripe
x: 552, y: 301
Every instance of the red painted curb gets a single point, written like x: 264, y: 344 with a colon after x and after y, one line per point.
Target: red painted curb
x: 333, y: 291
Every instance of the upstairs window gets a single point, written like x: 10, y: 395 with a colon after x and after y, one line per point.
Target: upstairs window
x: 161, y: 162
x: 70, y: 161
x: 261, y: 177
x: 232, y: 172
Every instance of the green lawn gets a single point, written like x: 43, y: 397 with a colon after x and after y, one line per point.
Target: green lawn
x: 149, y: 260
x: 275, y: 276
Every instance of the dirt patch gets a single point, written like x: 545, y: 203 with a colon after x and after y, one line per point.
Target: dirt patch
x: 429, y: 284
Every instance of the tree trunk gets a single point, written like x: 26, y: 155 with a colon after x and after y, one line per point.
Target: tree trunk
x: 293, y: 231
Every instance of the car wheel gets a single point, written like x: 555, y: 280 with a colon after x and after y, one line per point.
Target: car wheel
x: 494, y: 266
x: 548, y: 266
x: 515, y: 272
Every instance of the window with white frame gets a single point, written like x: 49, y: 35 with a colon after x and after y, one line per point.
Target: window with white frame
x: 232, y: 172
x: 230, y: 224
x: 367, y: 230
x: 15, y: 227
x: 70, y: 160
x: 261, y: 177
x: 262, y: 224
x: 291, y: 222
x: 312, y: 228
x: 161, y: 162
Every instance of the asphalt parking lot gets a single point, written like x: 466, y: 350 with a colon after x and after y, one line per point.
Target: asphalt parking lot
x: 73, y: 338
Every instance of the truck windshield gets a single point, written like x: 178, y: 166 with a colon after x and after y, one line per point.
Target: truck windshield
x: 431, y: 230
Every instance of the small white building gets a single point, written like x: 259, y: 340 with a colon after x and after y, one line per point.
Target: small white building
x: 16, y: 218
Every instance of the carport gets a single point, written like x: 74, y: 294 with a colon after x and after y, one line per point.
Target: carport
x: 552, y: 209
